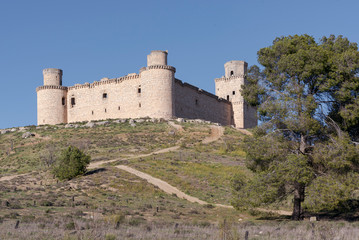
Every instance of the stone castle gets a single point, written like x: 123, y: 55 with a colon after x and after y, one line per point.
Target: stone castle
x: 154, y: 92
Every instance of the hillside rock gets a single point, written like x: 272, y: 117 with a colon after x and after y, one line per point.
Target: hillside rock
x: 102, y: 123
x: 89, y: 124
x: 27, y: 135
x: 69, y: 125
x: 4, y: 131
x: 140, y: 120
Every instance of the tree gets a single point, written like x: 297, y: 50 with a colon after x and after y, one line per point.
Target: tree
x: 71, y: 163
x: 301, y: 88
x: 48, y: 155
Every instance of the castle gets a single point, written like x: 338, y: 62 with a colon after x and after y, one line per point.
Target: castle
x: 154, y: 92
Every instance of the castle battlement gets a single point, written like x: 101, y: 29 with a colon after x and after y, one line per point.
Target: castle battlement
x: 104, y: 82
x: 51, y: 87
x: 153, y: 92
x: 226, y: 79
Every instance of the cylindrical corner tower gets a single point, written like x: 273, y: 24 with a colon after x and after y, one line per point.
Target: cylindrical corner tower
x: 157, y: 83
x: 51, y: 99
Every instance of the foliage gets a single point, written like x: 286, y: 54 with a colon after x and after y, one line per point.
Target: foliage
x: 304, y: 87
x: 71, y: 163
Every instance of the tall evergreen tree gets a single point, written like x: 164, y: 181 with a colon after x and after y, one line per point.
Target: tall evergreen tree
x: 303, y: 89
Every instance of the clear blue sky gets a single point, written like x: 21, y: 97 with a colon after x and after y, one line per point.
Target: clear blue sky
x: 90, y: 39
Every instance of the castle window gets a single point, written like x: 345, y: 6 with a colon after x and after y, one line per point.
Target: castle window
x: 227, y: 97
x: 139, y: 105
x: 196, y: 101
x: 105, y: 110
x: 119, y: 108
x: 139, y: 89
x: 234, y: 92
x: 92, y: 112
x: 63, y: 101
x: 73, y: 102
x: 104, y: 95
x: 232, y: 73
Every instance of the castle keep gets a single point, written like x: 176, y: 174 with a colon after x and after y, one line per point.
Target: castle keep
x: 154, y: 92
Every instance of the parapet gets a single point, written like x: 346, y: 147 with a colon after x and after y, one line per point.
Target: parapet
x: 52, y: 76
x: 157, y: 57
x: 235, y: 68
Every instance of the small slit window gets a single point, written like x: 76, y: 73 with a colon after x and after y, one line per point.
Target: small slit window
x: 227, y: 97
x: 92, y: 112
x: 234, y: 92
x: 139, y: 89
x: 105, y: 110
x: 119, y: 108
x: 232, y: 73
x: 104, y: 96
x: 139, y: 105
x: 73, y: 102
x: 63, y: 101
x: 196, y: 101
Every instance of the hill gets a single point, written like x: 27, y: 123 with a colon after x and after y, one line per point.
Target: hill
x: 112, y: 201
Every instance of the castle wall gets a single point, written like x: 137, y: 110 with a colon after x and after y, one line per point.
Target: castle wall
x: 194, y: 103
x: 113, y: 98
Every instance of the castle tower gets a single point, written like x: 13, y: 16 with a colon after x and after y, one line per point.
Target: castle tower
x: 229, y: 86
x: 157, y: 86
x: 51, y: 98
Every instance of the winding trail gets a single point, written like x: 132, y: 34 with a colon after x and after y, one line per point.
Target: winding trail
x: 166, y: 187
x: 8, y: 178
x: 99, y: 163
x: 216, y: 133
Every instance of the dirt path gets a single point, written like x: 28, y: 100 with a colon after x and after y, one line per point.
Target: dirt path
x: 176, y: 126
x: 216, y: 133
x: 8, y: 178
x: 164, y: 186
x: 246, y: 132
x: 99, y: 163
x: 167, y: 188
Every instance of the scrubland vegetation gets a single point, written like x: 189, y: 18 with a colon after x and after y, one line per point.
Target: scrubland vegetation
x: 108, y: 203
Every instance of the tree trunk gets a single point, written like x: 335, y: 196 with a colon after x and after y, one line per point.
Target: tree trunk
x: 298, y: 199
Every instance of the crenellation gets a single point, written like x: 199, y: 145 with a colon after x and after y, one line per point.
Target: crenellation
x: 154, y: 92
x: 50, y: 87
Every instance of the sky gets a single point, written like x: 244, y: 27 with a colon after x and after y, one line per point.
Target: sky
x: 90, y: 40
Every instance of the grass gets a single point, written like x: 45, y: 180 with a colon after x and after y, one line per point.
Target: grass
x: 109, y: 203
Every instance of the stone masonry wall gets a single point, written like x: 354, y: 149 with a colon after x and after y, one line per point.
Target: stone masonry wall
x: 114, y: 98
x: 194, y: 103
x: 50, y: 108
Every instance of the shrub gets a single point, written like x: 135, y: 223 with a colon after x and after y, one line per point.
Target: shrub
x: 70, y: 226
x: 71, y: 163
x: 110, y: 237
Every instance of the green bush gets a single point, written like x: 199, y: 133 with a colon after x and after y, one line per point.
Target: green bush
x: 71, y: 163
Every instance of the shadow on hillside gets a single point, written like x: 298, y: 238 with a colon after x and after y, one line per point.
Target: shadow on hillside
x: 274, y: 217
x: 94, y: 171
x: 347, y: 210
